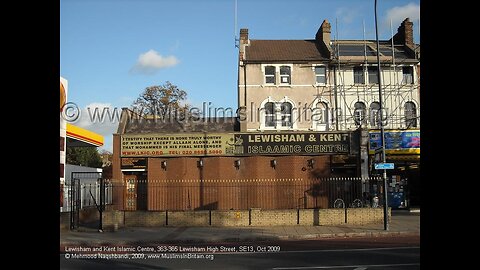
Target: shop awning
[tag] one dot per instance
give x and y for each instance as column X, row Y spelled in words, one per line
column 403, row 157
column 77, row 136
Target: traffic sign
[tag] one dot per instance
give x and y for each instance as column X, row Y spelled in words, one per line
column 384, row 166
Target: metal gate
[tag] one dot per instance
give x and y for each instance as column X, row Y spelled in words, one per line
column 74, row 196
column 81, row 198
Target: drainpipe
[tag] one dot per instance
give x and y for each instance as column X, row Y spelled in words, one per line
column 245, row 83
column 335, row 94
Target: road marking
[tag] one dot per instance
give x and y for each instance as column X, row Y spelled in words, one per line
column 343, row 266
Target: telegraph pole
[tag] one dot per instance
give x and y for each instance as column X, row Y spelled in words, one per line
column 382, row 131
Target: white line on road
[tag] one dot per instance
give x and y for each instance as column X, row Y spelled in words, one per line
column 343, row 266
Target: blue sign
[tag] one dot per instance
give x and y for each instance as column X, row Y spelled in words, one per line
column 396, row 141
column 384, row 166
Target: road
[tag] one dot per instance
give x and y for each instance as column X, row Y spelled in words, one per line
column 338, row 254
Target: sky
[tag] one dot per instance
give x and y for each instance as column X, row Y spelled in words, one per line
column 111, row 50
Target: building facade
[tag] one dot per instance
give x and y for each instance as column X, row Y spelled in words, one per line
column 330, row 85
column 308, row 109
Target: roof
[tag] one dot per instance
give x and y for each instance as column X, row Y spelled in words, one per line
column 77, row 136
column 309, row 50
column 131, row 124
column 284, row 50
column 369, row 47
column 359, row 51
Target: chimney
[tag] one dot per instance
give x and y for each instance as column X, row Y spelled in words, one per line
column 243, row 36
column 323, row 33
column 323, row 38
column 243, row 42
column 404, row 34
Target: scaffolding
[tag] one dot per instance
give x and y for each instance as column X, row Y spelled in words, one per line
column 397, row 65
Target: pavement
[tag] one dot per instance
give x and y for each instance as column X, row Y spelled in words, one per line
column 402, row 222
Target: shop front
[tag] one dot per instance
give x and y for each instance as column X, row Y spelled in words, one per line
column 402, row 149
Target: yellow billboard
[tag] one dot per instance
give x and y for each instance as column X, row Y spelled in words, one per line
column 183, row 144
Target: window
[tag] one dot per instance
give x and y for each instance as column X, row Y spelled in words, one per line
column 407, row 75
column 285, row 73
column 278, row 115
column 372, row 75
column 270, row 118
column 320, row 74
column 270, row 74
column 283, row 70
column 359, row 113
column 410, row 114
column 358, row 77
column 374, row 114
column 286, row 114
column 322, row 109
column 320, row 116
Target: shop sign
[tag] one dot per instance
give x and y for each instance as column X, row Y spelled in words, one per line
column 235, row 144
column 313, row 143
column 396, row 141
column 182, row 144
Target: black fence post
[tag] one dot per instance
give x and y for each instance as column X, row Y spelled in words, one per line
column 78, row 202
column 298, row 216
column 71, row 193
column 102, row 203
column 250, row 216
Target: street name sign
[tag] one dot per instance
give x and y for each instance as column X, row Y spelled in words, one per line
column 384, row 166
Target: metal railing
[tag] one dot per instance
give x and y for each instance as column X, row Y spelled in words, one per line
column 237, row 194
column 89, row 194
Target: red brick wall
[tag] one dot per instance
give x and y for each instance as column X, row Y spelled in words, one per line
column 182, row 185
column 163, row 183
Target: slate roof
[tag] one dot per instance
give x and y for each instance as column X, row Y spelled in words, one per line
column 284, row 50
column 309, row 50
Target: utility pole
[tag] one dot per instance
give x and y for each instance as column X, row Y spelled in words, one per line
column 382, row 131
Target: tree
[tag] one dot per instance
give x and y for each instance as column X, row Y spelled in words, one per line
column 83, row 156
column 106, row 157
column 160, row 100
column 104, row 152
column 107, row 168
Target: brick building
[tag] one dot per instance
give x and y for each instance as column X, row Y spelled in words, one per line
column 322, row 84
column 308, row 109
column 149, row 153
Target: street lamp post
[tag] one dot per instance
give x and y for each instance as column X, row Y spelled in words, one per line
column 382, row 131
